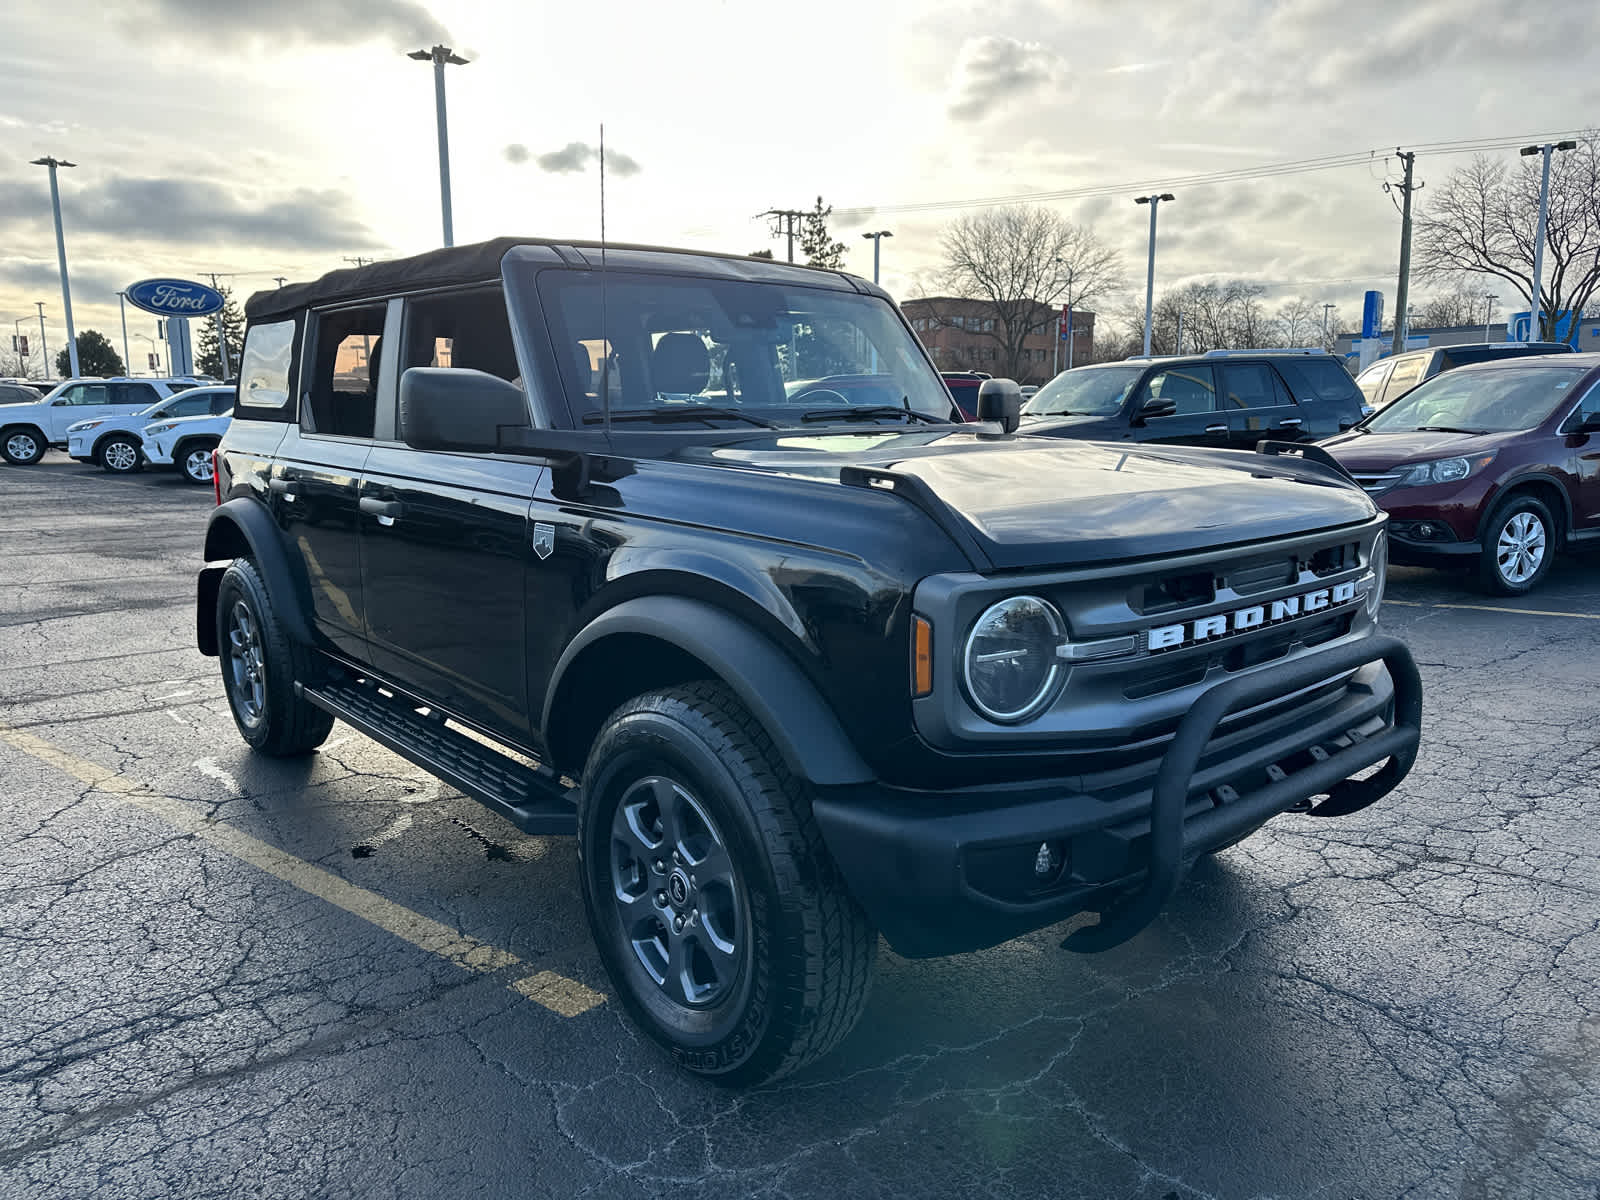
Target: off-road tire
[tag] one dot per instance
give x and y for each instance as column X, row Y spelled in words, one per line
column 105, row 459
column 809, row 950
column 14, row 438
column 282, row 724
column 1491, row 577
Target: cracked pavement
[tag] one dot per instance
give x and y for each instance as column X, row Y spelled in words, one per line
column 1401, row 1003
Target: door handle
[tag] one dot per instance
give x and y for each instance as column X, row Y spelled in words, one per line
column 1216, row 429
column 1291, row 423
column 385, row 510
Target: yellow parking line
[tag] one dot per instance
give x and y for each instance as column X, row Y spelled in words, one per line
column 566, row 997
column 1525, row 612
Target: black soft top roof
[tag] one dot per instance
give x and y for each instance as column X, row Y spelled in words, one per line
column 480, row 262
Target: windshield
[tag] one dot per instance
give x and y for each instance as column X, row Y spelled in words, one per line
column 670, row 349
column 1091, row 391
column 1496, row 400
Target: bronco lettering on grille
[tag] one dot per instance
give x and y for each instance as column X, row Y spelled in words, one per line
column 1241, row 620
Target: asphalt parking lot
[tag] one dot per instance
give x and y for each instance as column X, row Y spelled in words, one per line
column 222, row 976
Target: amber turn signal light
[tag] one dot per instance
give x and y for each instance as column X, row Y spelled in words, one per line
column 921, row 657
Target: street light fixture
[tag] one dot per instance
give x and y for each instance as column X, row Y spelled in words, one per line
column 1536, row 305
column 1154, row 201
column 439, row 56
column 877, row 243
column 61, row 254
column 1488, row 313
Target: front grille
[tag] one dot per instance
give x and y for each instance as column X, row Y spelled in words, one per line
column 1248, row 578
column 1375, row 484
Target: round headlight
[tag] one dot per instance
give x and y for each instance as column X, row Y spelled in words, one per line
column 1010, row 664
column 1378, row 564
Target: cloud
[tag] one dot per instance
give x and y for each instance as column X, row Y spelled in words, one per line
column 576, row 156
column 516, row 152
column 403, row 24
column 191, row 211
column 993, row 72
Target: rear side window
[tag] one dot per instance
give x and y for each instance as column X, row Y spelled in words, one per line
column 344, row 382
column 1252, row 385
column 187, row 406
column 221, row 402
column 1371, row 380
column 1406, row 375
column 16, row 395
column 264, row 371
column 1318, row 379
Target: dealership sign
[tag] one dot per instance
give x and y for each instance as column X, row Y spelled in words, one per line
column 175, row 297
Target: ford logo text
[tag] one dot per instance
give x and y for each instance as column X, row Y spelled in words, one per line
column 174, row 297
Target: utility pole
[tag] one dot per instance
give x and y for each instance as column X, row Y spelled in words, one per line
column 127, row 359
column 61, row 254
column 1488, row 313
column 1154, row 201
column 788, row 216
column 439, row 56
column 1409, row 158
column 279, row 279
column 44, row 351
column 877, row 242
column 1536, row 308
column 1325, row 309
column 1178, row 349
column 222, row 334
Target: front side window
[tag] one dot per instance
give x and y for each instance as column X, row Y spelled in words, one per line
column 1087, row 391
column 1192, row 388
column 85, row 394
column 344, row 379
column 265, row 364
column 461, row 329
column 658, row 347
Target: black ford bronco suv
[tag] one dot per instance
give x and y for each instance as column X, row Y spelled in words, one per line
column 683, row 554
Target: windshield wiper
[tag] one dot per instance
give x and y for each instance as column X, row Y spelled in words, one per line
column 700, row 412
column 1446, row 429
column 869, row 412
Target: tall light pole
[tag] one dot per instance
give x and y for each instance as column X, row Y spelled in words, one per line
column 1154, row 201
column 1325, row 310
column 1536, row 308
column 61, row 254
column 127, row 359
column 1488, row 313
column 439, row 56
column 44, row 351
column 877, row 243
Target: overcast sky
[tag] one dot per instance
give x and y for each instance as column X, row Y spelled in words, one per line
column 261, row 139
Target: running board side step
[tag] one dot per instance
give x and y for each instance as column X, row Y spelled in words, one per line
column 531, row 798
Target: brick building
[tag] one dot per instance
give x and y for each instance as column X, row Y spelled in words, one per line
column 966, row 335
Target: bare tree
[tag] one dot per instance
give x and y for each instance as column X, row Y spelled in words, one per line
column 1483, row 220
column 1227, row 315
column 1460, row 304
column 1023, row 262
column 1299, row 322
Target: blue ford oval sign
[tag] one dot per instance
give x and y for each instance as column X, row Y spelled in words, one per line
column 174, row 297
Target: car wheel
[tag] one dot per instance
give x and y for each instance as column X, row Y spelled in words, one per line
column 1519, row 542
column 260, row 665
column 22, row 446
column 194, row 462
column 719, row 916
column 120, row 456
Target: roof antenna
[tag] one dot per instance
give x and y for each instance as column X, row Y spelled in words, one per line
column 605, row 328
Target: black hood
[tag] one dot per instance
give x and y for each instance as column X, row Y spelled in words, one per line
column 1033, row 502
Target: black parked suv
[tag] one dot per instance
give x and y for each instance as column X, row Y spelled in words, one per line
column 1223, row 398
column 552, row 523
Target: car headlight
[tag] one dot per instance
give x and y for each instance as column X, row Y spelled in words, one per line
column 1378, row 565
column 1444, row 470
column 152, row 430
column 81, row 426
column 1011, row 664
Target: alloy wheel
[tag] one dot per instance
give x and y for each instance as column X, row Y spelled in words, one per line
column 246, row 668
column 197, row 465
column 119, row 456
column 678, row 900
column 21, row 447
column 1521, row 547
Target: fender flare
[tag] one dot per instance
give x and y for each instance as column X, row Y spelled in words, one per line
column 767, row 681
column 1564, row 512
column 291, row 595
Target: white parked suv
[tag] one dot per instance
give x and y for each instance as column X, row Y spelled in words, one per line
column 28, row 430
column 187, row 442
column 114, row 442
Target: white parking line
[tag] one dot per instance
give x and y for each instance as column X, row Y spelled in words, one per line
column 1524, row 612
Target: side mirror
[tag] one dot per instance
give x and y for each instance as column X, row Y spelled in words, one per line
column 1000, row 400
column 455, row 408
column 1590, row 424
column 1157, row 408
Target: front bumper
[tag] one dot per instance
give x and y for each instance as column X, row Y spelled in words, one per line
column 942, row 872
column 157, row 454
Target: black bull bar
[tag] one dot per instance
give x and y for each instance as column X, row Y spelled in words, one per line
column 1328, row 774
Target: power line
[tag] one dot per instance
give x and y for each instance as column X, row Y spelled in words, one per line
column 1301, row 166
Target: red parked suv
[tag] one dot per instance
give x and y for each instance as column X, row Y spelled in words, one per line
column 1495, row 465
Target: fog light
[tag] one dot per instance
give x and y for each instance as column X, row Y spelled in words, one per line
column 1424, row 531
column 1047, row 860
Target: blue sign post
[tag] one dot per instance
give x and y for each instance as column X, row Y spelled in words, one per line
column 1372, row 315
